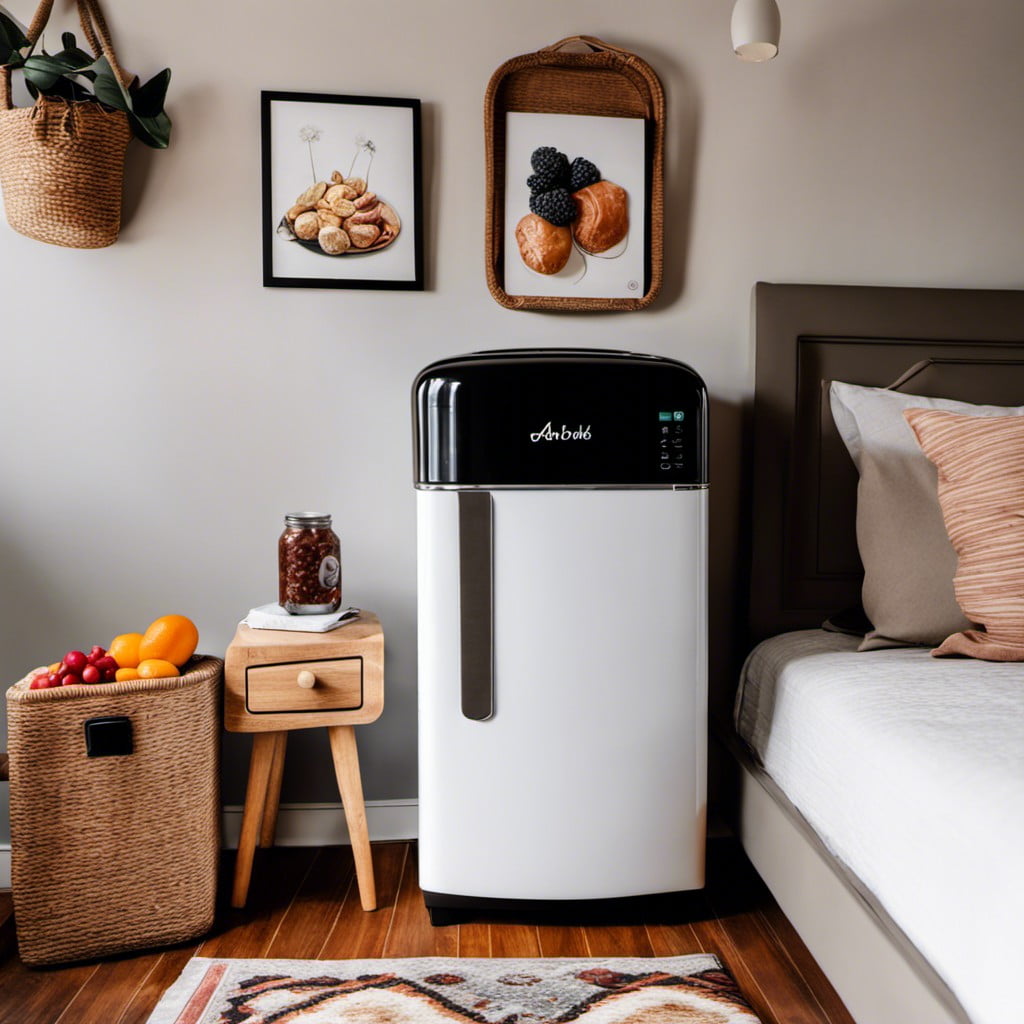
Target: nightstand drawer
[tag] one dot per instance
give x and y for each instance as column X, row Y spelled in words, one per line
column 338, row 686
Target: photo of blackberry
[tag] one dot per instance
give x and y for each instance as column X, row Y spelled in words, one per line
column 556, row 206
column 582, row 173
column 543, row 183
column 551, row 169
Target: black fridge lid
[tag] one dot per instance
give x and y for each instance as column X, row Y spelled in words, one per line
column 543, row 355
column 559, row 417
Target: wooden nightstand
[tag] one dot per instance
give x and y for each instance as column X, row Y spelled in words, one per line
column 276, row 681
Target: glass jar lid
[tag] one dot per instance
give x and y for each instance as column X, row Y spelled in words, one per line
column 308, row 520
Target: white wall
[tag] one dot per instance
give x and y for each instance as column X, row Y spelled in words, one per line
column 160, row 410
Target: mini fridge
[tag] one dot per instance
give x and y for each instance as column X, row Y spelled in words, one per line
column 562, row 606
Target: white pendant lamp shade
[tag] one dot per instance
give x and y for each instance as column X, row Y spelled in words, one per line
column 756, row 25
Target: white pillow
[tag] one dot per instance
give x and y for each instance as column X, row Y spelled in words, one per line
column 909, row 562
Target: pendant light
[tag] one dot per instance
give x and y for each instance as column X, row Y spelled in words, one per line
column 756, row 25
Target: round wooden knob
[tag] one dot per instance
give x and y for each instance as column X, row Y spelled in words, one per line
column 306, row 679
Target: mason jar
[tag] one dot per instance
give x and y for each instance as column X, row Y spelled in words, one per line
column 309, row 565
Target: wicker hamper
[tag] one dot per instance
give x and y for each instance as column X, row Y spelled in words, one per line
column 115, row 813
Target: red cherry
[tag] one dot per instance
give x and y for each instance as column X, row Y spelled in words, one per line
column 91, row 674
column 39, row 683
column 71, row 679
column 110, row 675
column 53, row 679
column 97, row 652
column 75, row 661
column 63, row 670
column 106, row 663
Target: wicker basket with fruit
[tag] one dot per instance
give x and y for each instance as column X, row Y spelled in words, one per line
column 115, row 797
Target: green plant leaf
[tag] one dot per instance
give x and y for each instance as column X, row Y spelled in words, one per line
column 107, row 88
column 42, row 71
column 12, row 39
column 148, row 100
column 74, row 58
column 153, row 131
column 69, row 89
column 57, row 63
column 108, row 92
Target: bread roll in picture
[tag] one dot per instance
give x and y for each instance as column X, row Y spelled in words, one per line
column 543, row 247
column 602, row 216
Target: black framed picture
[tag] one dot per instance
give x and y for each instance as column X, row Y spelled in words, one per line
column 342, row 191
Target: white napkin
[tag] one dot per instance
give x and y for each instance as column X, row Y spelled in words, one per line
column 273, row 616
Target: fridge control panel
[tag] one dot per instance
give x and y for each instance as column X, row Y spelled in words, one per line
column 670, row 452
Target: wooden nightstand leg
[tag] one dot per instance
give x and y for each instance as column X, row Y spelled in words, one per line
column 263, row 745
column 346, row 768
column 273, row 791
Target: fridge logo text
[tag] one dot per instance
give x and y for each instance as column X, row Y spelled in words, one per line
column 567, row 433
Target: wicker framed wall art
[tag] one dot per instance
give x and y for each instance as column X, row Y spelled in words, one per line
column 575, row 195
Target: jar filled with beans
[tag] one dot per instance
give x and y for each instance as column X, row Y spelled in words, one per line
column 309, row 565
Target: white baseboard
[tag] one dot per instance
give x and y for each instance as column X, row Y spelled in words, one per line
column 302, row 825
column 324, row 824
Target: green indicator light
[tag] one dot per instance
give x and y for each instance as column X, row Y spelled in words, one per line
column 678, row 416
column 664, row 417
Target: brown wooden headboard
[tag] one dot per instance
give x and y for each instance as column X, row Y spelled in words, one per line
column 944, row 343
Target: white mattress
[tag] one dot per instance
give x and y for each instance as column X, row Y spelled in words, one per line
column 911, row 770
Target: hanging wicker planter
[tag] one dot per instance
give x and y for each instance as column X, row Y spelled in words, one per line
column 62, row 161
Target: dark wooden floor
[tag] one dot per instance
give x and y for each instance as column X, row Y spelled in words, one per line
column 303, row 904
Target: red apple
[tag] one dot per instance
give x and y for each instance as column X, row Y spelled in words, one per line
column 63, row 670
column 54, row 679
column 91, row 674
column 75, row 661
column 71, row 679
column 95, row 654
column 106, row 663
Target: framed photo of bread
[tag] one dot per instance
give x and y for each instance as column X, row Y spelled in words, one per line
column 342, row 191
column 575, row 197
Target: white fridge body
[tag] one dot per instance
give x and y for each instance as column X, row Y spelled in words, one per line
column 589, row 779
column 562, row 672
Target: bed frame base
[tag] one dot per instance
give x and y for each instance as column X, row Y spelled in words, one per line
column 878, row 973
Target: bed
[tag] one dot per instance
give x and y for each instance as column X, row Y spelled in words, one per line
column 880, row 794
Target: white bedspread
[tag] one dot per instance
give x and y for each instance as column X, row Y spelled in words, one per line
column 911, row 769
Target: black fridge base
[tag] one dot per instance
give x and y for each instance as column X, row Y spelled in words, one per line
column 657, row 908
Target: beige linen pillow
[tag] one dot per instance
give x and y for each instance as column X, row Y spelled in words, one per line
column 980, row 463
column 908, row 560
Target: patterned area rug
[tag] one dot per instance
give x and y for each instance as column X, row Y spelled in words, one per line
column 662, row 990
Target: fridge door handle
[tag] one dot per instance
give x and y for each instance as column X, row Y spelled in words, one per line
column 476, row 603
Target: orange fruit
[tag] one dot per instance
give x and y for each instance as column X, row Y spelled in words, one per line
column 124, row 649
column 170, row 638
column 126, row 673
column 156, row 668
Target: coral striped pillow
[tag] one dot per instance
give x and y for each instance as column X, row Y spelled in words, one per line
column 980, row 461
